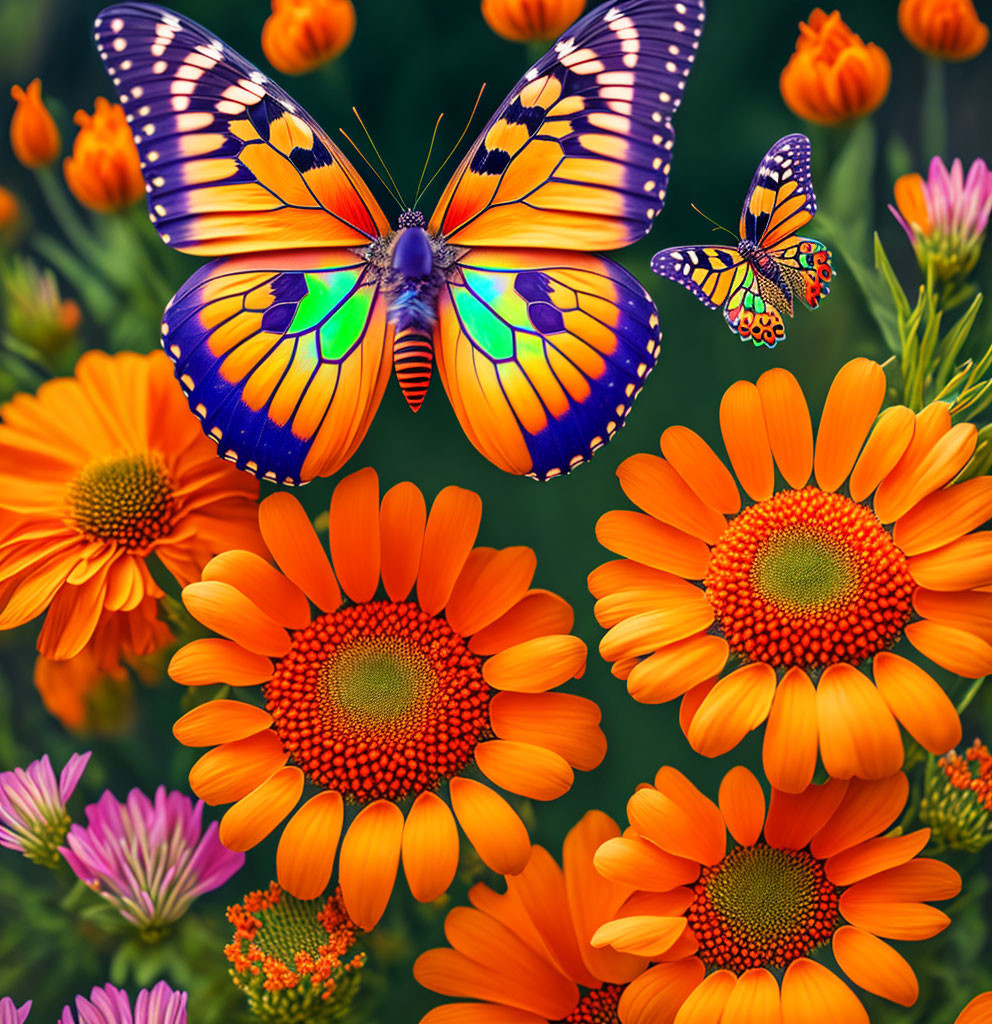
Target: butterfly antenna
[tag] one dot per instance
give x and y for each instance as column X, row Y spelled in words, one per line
column 396, row 199
column 719, row 226
column 354, row 110
column 478, row 99
column 430, row 149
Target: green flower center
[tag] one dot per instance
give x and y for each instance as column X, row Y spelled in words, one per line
column 803, row 571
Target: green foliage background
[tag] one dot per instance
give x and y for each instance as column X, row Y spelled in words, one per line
column 410, row 60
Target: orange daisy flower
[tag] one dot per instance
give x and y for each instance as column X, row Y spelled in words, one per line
column 98, row 472
column 816, row 871
column 382, row 699
column 525, row 955
column 803, row 588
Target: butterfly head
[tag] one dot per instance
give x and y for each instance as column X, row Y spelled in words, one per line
column 411, row 219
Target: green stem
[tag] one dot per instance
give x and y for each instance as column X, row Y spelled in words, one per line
column 933, row 124
column 970, row 695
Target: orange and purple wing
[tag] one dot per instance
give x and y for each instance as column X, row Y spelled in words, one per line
column 283, row 357
column 542, row 354
column 578, row 155
column 780, row 200
column 232, row 164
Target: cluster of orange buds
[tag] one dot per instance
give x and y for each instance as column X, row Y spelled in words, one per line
column 957, row 799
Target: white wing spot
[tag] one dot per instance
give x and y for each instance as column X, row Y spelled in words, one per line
column 531, row 74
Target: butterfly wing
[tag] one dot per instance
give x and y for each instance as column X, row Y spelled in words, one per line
column 805, row 265
column 232, row 164
column 543, row 361
column 780, row 200
column 283, row 357
column 578, row 155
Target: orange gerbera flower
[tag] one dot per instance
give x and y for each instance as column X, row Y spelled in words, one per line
column 806, row 582
column 526, row 956
column 834, row 75
column 817, row 870
column 949, row 29
column 383, row 699
column 97, row 472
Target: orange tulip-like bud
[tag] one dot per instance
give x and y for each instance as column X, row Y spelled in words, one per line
column 34, row 136
column 949, row 29
column 10, row 214
column 300, row 35
column 525, row 20
column 834, row 75
column 104, row 172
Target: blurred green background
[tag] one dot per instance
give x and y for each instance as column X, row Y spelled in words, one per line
column 410, row 60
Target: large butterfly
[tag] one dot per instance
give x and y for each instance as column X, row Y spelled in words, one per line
column 284, row 343
column 757, row 280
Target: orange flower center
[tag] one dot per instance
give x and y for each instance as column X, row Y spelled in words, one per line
column 808, row 578
column 379, row 700
column 126, row 498
column 597, row 1006
column 762, row 907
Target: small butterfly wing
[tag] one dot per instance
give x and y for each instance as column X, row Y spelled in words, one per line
column 754, row 307
column 578, row 155
column 542, row 354
column 780, row 200
column 710, row 272
column 805, row 265
column 232, row 164
column 283, row 357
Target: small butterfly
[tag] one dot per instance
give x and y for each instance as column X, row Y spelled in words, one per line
column 284, row 343
column 757, row 280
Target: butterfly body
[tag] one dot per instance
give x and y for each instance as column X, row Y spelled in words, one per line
column 285, row 342
column 757, row 281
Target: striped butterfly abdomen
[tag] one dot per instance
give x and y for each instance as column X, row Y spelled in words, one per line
column 413, row 361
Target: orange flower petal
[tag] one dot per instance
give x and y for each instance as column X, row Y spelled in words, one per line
column 370, row 856
column 920, row 880
column 701, row 468
column 525, row 768
column 954, row 649
column 225, row 610
column 915, row 698
column 562, row 722
column 638, row 536
column 638, row 863
column 737, row 704
column 492, row 826
column 219, row 721
column 641, row 634
column 931, row 424
column 812, row 994
column 705, row 1005
column 790, row 745
column 263, row 585
column 655, row 996
column 742, row 804
column 211, row 660
column 968, row 610
column 234, row 769
column 897, row 495
column 254, row 816
column 891, row 436
column 907, row 922
column 488, row 587
column 676, row 817
column 536, row 665
column 677, row 668
column 655, row 487
column 852, row 404
column 402, row 517
column 867, row 809
column 875, row 966
column 452, row 527
column 642, row 935
column 945, row 516
column 290, row 536
column 755, row 999
column 787, row 420
column 479, row 1013
column 665, row 595
column 353, row 531
column 978, row 1011
column 691, row 700
column 745, row 437
column 538, row 613
column 858, row 735
column 430, row 847
column 624, row 574
column 961, row 565
column 874, row 855
column 794, row 818
column 308, row 844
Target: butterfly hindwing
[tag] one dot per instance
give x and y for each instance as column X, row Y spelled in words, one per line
column 232, row 164
column 754, row 307
column 805, row 264
column 542, row 354
column 578, row 155
column 283, row 356
column 780, row 199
